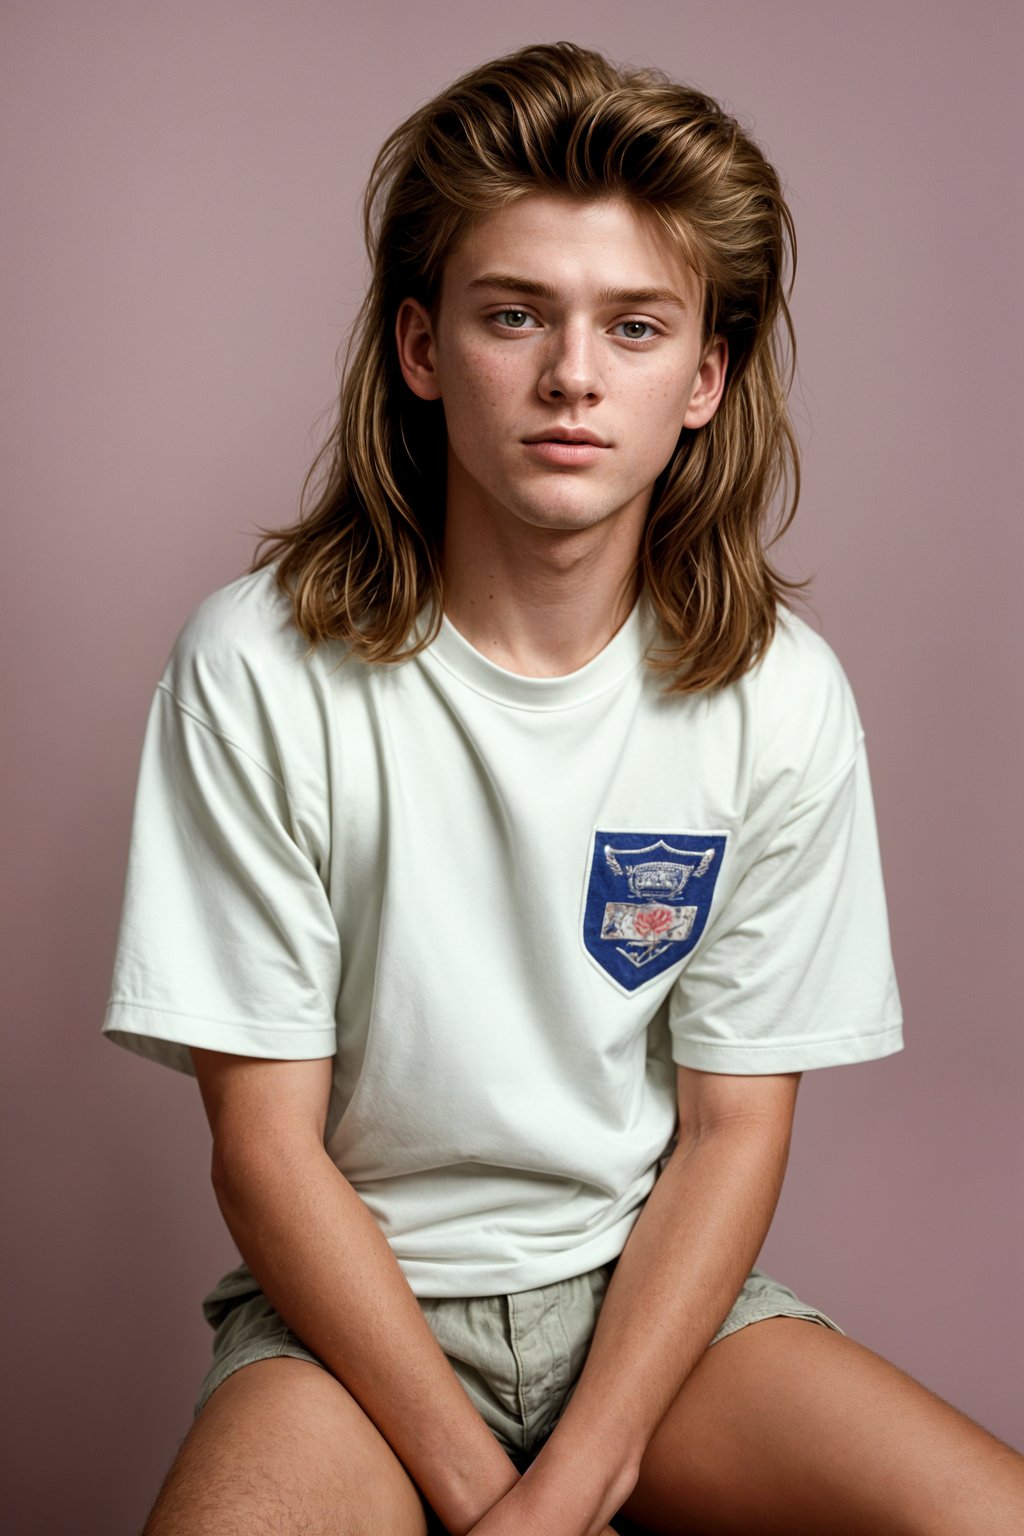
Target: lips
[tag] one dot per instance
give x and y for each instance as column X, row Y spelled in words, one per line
column 567, row 435
column 566, row 448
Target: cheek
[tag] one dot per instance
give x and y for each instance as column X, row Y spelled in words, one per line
column 478, row 384
column 659, row 418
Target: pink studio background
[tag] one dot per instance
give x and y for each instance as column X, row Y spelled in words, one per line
column 180, row 188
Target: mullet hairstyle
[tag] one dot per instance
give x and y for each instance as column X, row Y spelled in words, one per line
column 363, row 562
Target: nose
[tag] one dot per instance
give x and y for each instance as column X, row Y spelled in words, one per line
column 571, row 368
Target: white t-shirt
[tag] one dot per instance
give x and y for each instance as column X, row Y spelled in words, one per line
column 505, row 906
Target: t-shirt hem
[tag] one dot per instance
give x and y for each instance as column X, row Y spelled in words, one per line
column 792, row 1056
column 431, row 1281
column 165, row 1037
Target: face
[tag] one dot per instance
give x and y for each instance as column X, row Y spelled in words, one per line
column 567, row 352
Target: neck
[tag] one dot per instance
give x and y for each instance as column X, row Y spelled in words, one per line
column 536, row 601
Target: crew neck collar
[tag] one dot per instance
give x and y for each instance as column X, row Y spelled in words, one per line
column 623, row 654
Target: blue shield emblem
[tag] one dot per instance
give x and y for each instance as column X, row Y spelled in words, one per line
column 648, row 899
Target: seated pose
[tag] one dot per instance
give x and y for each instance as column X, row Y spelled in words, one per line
column 503, row 853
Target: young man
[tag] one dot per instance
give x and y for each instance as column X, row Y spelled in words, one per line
column 503, row 854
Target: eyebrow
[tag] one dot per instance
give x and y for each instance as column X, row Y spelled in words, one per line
column 630, row 297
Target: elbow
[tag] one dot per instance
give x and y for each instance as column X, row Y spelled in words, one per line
column 224, row 1176
column 233, row 1167
column 240, row 1164
column 218, row 1168
column 763, row 1136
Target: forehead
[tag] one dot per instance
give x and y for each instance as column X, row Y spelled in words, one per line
column 577, row 248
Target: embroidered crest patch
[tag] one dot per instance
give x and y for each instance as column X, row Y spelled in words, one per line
column 648, row 899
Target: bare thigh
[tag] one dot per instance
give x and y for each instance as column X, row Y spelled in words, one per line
column 281, row 1449
column 785, row 1428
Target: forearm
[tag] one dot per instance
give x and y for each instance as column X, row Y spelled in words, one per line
column 329, row 1271
column 682, row 1267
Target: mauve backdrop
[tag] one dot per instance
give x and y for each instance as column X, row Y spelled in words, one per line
column 181, row 255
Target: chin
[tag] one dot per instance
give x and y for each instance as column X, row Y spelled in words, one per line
column 564, row 517
column 563, row 522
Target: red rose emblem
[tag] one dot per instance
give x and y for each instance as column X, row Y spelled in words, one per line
column 652, row 922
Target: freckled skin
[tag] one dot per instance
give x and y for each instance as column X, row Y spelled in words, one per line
column 508, row 364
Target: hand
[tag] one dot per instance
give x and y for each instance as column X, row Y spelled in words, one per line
column 517, row 1515
column 510, row 1524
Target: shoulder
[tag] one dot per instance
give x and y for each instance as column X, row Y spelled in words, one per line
column 239, row 663
column 800, row 669
column 809, row 725
column 245, row 625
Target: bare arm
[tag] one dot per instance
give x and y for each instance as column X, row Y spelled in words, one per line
column 327, row 1268
column 680, row 1271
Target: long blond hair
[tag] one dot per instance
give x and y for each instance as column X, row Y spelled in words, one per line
column 362, row 563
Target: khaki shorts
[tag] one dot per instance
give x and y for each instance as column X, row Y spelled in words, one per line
column 518, row 1357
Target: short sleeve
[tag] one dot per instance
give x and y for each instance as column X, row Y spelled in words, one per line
column 797, row 970
column 227, row 939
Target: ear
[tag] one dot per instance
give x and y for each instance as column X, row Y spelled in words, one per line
column 709, row 384
column 414, row 337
